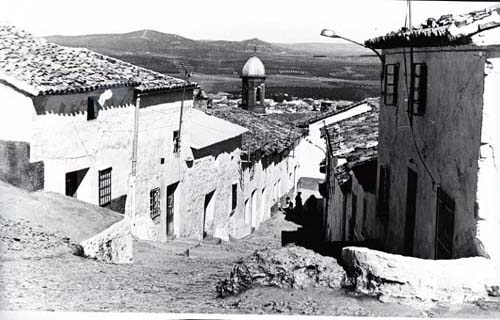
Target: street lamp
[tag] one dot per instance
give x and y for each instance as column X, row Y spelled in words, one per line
column 332, row 34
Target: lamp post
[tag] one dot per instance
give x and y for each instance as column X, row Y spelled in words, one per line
column 332, row 34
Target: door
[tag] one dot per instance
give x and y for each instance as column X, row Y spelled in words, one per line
column 208, row 214
column 352, row 221
column 445, row 225
column 170, row 209
column 264, row 212
column 253, row 209
column 73, row 181
column 411, row 207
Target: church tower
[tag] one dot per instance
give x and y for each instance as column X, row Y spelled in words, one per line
column 253, row 85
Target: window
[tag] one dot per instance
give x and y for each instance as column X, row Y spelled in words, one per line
column 258, row 95
column 176, row 140
column 418, row 89
column 104, row 187
column 154, row 203
column 383, row 191
column 92, row 108
column 391, row 84
column 445, row 224
column 234, row 201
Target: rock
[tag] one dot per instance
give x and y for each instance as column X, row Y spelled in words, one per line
column 288, row 267
column 78, row 250
column 113, row 245
column 494, row 291
column 411, row 280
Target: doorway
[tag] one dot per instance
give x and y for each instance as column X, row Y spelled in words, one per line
column 170, row 209
column 253, row 209
column 411, row 207
column 208, row 213
column 73, row 181
column 445, row 225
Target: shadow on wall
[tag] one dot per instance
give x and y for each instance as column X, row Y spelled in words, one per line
column 310, row 217
column 15, row 166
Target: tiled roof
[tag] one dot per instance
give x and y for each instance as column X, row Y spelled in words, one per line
column 447, row 30
column 266, row 134
column 39, row 67
column 355, row 139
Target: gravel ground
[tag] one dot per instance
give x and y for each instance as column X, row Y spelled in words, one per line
column 38, row 272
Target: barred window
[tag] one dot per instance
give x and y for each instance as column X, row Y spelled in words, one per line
column 391, row 84
column 175, row 139
column 418, row 91
column 104, row 187
column 154, row 203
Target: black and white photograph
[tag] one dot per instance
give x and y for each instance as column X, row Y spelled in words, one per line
column 218, row 159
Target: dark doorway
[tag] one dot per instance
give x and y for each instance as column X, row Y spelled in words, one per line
column 411, row 206
column 208, row 212
column 352, row 222
column 170, row 209
column 445, row 224
column 73, row 181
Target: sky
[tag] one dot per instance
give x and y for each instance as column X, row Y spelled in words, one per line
column 270, row 20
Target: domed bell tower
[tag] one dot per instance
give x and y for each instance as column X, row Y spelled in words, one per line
column 253, row 88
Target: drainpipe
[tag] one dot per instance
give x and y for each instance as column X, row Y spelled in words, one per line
column 133, row 173
column 136, row 135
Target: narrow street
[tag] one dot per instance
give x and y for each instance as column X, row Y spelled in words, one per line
column 164, row 279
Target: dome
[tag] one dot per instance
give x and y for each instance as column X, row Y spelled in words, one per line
column 253, row 68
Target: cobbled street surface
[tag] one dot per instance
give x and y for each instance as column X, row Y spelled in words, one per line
column 38, row 272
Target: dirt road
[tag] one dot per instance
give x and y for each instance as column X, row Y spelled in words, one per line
column 164, row 279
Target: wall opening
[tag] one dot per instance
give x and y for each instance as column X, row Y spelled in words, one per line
column 411, row 206
column 208, row 214
column 74, row 180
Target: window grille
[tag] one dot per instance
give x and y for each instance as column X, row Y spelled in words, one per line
column 104, row 187
column 176, row 141
column 154, row 203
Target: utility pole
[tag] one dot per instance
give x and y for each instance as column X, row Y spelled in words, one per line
column 187, row 78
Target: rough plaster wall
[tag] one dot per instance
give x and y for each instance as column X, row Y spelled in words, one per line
column 16, row 115
column 370, row 225
column 16, row 168
column 155, row 141
column 210, row 174
column 448, row 136
column 488, row 190
column 67, row 142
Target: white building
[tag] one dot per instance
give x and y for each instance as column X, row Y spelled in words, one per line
column 107, row 132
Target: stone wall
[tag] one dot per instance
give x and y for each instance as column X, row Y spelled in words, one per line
column 448, row 138
column 113, row 245
column 16, row 168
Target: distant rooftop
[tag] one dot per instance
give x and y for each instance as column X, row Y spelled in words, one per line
column 355, row 139
column 266, row 135
column 39, row 67
column 447, row 30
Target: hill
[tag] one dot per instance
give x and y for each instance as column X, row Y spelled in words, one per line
column 160, row 51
